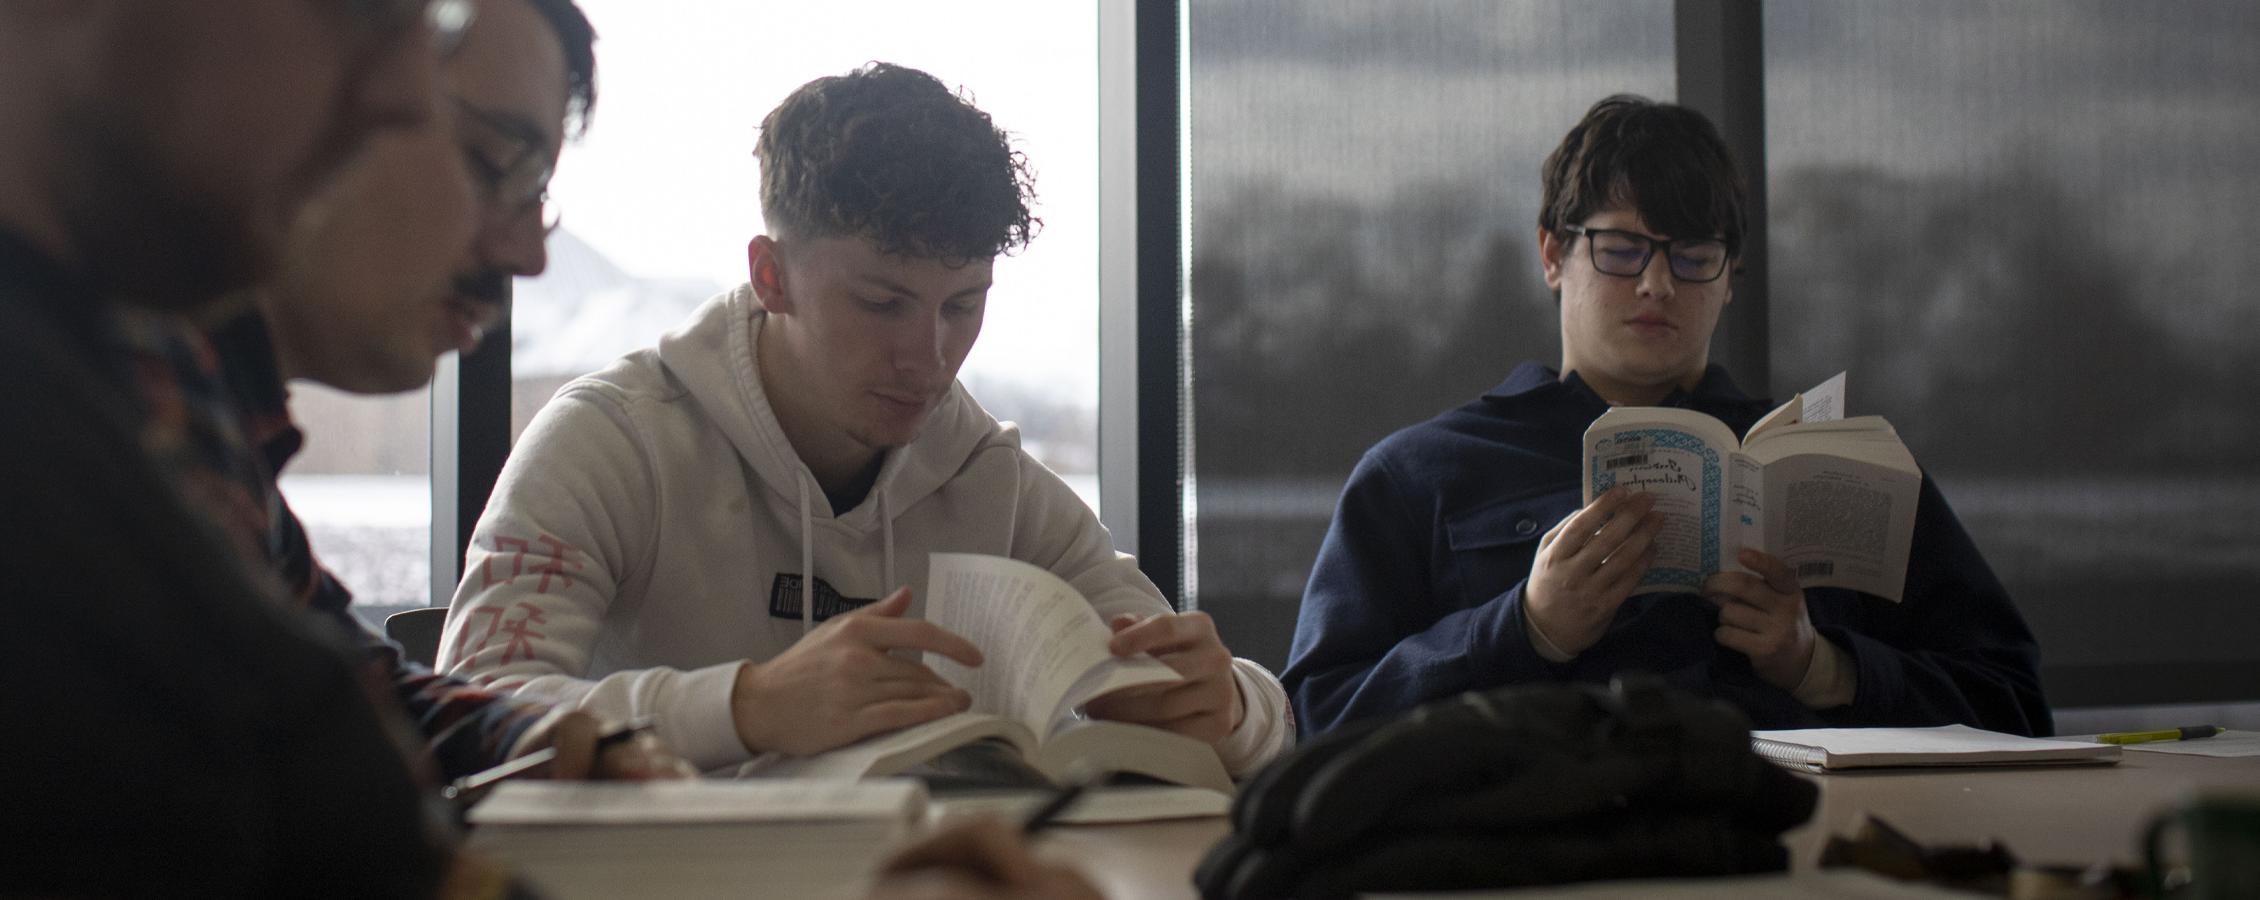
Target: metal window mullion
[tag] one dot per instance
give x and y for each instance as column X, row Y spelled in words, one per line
column 1161, row 379
column 470, row 425
column 1719, row 54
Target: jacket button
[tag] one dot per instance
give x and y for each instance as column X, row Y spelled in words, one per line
column 1525, row 526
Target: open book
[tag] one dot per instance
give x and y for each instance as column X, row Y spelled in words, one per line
column 1045, row 655
column 1831, row 749
column 1833, row 497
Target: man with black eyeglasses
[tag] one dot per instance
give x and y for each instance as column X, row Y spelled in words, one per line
column 1459, row 557
column 410, row 256
column 175, row 729
column 407, row 257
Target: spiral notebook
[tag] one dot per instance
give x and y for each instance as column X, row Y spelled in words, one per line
column 1833, row 749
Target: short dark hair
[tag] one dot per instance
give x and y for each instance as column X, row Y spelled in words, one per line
column 579, row 40
column 889, row 154
column 1664, row 160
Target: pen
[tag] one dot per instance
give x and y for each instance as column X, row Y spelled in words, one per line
column 470, row 788
column 1048, row 814
column 2171, row 734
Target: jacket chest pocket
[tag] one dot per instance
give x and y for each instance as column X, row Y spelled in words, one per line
column 1491, row 547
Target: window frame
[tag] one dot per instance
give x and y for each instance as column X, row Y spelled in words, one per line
column 1146, row 448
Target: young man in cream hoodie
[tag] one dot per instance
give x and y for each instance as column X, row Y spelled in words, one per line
column 724, row 533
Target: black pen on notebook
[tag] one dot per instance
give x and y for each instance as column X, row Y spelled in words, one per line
column 1047, row 815
column 470, row 788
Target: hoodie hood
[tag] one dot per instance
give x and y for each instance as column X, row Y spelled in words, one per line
column 715, row 357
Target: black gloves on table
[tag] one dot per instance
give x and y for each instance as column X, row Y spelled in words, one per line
column 1525, row 785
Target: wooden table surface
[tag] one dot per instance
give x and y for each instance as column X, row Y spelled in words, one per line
column 2043, row 815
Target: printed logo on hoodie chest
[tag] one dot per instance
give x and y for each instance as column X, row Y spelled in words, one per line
column 784, row 599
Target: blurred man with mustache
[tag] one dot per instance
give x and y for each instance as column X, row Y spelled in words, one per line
column 671, row 531
column 408, row 257
column 180, row 730
column 411, row 256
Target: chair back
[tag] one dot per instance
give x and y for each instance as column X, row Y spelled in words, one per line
column 417, row 632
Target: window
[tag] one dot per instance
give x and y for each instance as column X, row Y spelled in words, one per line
column 660, row 198
column 1364, row 219
column 2017, row 226
column 362, row 487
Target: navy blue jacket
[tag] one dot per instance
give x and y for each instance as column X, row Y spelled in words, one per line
column 1417, row 592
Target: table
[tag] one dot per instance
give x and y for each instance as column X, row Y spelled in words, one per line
column 2043, row 815
column 2077, row 814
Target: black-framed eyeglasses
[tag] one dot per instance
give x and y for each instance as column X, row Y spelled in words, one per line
column 1625, row 254
column 511, row 162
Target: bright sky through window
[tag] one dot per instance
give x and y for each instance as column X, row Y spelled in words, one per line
column 664, row 184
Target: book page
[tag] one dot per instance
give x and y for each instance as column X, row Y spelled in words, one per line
column 1044, row 647
column 1682, row 458
column 1745, row 511
column 1842, row 520
column 1113, row 747
column 894, row 751
column 1789, row 412
column 1823, row 402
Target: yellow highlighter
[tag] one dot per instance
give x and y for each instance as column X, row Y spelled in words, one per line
column 2171, row 734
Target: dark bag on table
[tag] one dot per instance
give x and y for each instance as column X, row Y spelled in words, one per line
column 1526, row 785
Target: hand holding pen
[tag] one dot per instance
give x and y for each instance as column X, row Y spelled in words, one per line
column 577, row 752
column 1055, row 806
column 585, row 752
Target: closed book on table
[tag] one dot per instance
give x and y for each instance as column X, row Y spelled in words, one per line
column 696, row 839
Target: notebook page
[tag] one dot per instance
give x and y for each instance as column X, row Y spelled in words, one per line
column 1942, row 745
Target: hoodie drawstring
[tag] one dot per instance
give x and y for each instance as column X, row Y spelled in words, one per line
column 808, row 552
column 887, row 541
column 807, row 560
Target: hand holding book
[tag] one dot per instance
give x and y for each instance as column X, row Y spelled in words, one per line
column 582, row 749
column 1588, row 565
column 1205, row 706
column 1762, row 616
column 1046, row 655
column 841, row 683
column 1834, row 497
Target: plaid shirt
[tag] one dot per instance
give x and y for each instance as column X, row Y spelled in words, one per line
column 191, row 742
column 212, row 398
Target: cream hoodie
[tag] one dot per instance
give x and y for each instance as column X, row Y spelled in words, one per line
column 649, row 532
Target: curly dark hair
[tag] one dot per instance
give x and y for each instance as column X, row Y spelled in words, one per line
column 578, row 38
column 1664, row 160
column 889, row 154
